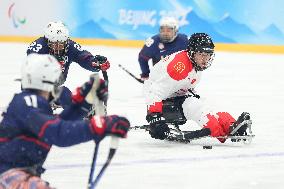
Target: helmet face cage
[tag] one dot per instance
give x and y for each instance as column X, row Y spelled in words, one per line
column 202, row 43
column 58, row 49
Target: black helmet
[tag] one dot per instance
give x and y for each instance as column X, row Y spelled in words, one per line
column 200, row 42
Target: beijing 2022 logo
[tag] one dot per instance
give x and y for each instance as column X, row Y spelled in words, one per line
column 16, row 20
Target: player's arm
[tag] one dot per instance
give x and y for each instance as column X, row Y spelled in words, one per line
column 144, row 65
column 86, row 60
column 144, row 56
column 54, row 130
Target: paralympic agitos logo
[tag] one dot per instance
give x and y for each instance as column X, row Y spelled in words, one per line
column 16, row 20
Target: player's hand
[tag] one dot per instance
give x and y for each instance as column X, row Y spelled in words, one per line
column 102, row 91
column 79, row 95
column 101, row 62
column 144, row 76
column 110, row 125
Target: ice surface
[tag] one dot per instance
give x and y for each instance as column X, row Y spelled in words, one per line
column 235, row 82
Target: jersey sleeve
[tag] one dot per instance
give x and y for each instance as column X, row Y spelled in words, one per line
column 145, row 55
column 83, row 57
column 55, row 131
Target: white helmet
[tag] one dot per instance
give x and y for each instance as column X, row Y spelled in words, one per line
column 56, row 32
column 41, row 72
column 57, row 36
column 169, row 22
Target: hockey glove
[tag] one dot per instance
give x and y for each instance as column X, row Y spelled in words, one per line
column 159, row 130
column 81, row 92
column 158, row 127
column 110, row 125
column 102, row 91
column 101, row 62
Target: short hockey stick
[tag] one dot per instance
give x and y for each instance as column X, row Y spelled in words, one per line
column 132, row 75
column 112, row 150
column 92, row 171
column 113, row 147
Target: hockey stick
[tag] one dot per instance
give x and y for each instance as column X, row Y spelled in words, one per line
column 112, row 150
column 143, row 127
column 113, row 147
column 132, row 75
column 92, row 171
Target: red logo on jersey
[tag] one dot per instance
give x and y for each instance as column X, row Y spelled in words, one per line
column 193, row 81
column 179, row 67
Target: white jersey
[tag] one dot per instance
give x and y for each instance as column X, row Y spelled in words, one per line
column 170, row 77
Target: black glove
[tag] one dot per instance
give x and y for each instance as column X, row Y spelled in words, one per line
column 102, row 91
column 101, row 62
column 110, row 125
column 158, row 127
column 159, row 130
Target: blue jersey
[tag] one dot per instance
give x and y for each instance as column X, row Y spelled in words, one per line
column 74, row 54
column 29, row 129
column 156, row 50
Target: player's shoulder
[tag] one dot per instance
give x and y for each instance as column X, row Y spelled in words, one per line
column 20, row 103
column 39, row 46
column 182, row 37
column 74, row 46
column 71, row 42
column 179, row 65
column 31, row 99
column 152, row 40
column 40, row 40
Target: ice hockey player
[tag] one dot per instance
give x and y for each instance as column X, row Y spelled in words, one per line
column 29, row 128
column 176, row 76
column 167, row 42
column 56, row 41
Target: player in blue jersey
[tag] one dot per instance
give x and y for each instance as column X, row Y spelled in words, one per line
column 167, row 42
column 29, row 129
column 56, row 41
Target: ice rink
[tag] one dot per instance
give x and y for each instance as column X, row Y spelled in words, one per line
column 235, row 82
